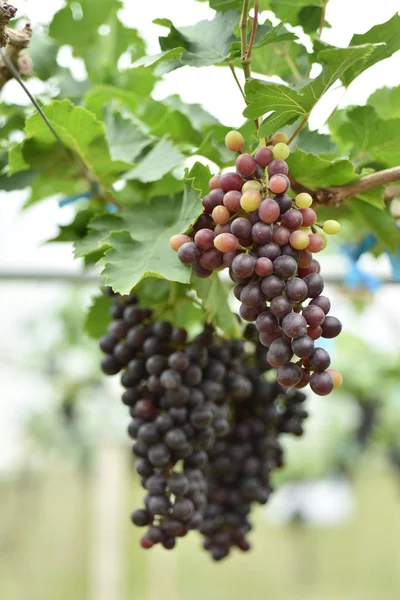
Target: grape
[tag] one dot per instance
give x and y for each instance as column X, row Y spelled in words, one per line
column 315, row 284
column 323, row 302
column 285, row 267
column 303, row 346
column 292, row 219
column 213, row 199
column 289, row 374
column 279, row 184
column 263, row 157
column 284, row 201
column 277, row 167
column 303, row 200
column 299, row 240
column 331, row 227
column 107, row 343
column 141, row 517
column 183, row 509
column 119, row 328
column 272, row 286
column 241, row 228
column 177, row 241
column 266, row 322
column 314, row 332
column 305, row 258
column 261, row 233
column 226, row 242
column 214, row 182
column 321, row 383
column 264, row 267
column 204, row 239
column 316, row 243
column 280, row 235
column 294, row 325
column 269, row 211
column 228, row 258
column 337, row 378
column 252, row 184
column 250, row 200
column 232, row 201
column 221, row 215
column 157, row 505
column 249, row 313
column 225, row 228
column 234, row 141
column 309, row 216
column 280, row 137
column 271, row 251
column 203, row 222
column 169, row 543
column 288, row 250
column 246, row 165
column 296, row 290
column 281, row 151
column 243, row 265
column 175, row 439
column 178, row 361
column 280, row 307
column 170, row 379
column 110, row 365
column 201, row 271
column 279, row 353
column 320, row 359
column 251, row 295
column 266, row 339
column 331, row 327
column 159, row 455
column 230, row 182
column 314, row 315
column 188, row 253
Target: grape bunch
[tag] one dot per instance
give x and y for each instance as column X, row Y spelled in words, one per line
column 240, row 464
column 267, row 239
column 205, row 425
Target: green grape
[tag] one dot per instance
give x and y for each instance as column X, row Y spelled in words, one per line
column 331, row 227
column 299, row 240
column 280, row 137
column 281, row 151
column 251, row 200
column 303, row 200
column 251, row 185
column 234, row 141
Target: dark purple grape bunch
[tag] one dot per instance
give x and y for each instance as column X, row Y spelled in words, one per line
column 267, row 239
column 241, row 463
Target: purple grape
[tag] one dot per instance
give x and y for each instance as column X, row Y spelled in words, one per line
column 280, row 307
column 272, row 286
column 321, row 383
column 280, row 235
column 294, row 325
column 266, row 322
column 288, row 250
column 230, row 182
column 250, row 314
column 289, row 374
column 314, row 315
column 315, row 284
column 284, row 201
column 279, row 353
column 204, row 222
column 270, row 250
column 189, row 253
column 263, row 157
column 251, row 295
column 241, row 228
column 331, row 327
column 246, row 165
column 261, row 233
column 201, row 271
column 237, row 290
column 277, row 167
column 323, row 302
column 292, row 219
column 320, row 360
column 211, row 259
column 296, row 290
column 285, row 267
column 303, row 346
column 243, row 265
column 204, row 239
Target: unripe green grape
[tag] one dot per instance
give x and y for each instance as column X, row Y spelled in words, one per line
column 176, row 241
column 280, row 137
column 324, row 237
column 331, row 227
column 251, row 200
column 281, row 151
column 303, row 200
column 299, row 240
column 234, row 141
column 251, row 185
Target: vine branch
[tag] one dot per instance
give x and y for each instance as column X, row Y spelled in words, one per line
column 13, row 41
column 337, row 194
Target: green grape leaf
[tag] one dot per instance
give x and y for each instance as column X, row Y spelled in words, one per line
column 164, row 120
column 266, row 34
column 306, row 13
column 315, row 172
column 384, row 34
column 99, row 230
column 386, row 102
column 204, row 44
column 125, row 135
column 161, row 159
column 97, row 98
column 200, row 176
column 214, row 297
column 370, row 136
column 288, row 60
column 143, row 250
column 16, row 160
column 195, row 113
column 98, row 316
column 77, row 229
column 315, row 142
column 380, row 222
column 375, row 197
column 225, row 5
column 288, row 104
column 43, row 53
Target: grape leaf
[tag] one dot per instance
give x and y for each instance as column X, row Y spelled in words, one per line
column 99, row 230
column 288, row 60
column 98, row 316
column 266, row 34
column 164, row 120
column 214, row 297
column 313, row 141
column 224, row 5
column 368, row 135
column 288, row 104
column 195, row 113
column 77, row 229
column 386, row 102
column 384, row 34
column 98, row 97
column 43, row 53
column 306, row 13
column 125, row 136
column 315, row 172
column 204, row 44
column 161, row 159
column 143, row 250
column 380, row 222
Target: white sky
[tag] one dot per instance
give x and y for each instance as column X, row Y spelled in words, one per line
column 22, row 235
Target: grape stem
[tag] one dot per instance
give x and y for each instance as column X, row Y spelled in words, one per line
column 337, row 194
column 232, row 68
column 254, row 29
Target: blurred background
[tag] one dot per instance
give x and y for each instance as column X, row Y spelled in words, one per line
column 67, row 482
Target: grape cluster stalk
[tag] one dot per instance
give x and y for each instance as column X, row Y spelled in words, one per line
column 267, row 240
column 205, row 425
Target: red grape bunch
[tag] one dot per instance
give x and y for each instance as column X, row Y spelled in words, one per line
column 267, row 239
